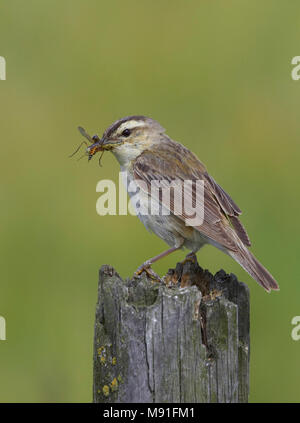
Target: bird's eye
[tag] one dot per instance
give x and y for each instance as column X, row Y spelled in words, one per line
column 126, row 132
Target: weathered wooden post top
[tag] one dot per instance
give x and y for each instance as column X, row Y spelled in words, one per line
column 185, row 339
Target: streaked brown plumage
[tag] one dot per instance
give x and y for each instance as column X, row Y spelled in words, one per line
column 146, row 153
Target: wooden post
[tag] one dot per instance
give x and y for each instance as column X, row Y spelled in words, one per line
column 183, row 340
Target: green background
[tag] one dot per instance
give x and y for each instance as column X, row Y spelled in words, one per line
column 217, row 75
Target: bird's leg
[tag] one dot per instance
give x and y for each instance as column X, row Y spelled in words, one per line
column 147, row 265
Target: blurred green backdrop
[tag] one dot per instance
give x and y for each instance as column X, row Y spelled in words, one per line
column 217, row 75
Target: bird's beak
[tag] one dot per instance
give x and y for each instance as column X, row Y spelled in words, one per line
column 102, row 144
column 109, row 143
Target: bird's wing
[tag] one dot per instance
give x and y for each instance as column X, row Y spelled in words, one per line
column 171, row 161
column 229, row 208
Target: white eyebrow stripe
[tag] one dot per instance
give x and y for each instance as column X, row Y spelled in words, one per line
column 130, row 124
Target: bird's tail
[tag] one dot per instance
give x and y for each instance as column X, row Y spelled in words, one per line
column 255, row 269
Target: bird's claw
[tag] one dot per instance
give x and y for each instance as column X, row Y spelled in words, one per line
column 146, row 267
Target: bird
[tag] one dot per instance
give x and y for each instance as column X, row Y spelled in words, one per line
column 146, row 154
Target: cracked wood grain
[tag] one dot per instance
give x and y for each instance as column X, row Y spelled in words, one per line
column 182, row 340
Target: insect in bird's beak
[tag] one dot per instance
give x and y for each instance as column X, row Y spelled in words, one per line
column 91, row 150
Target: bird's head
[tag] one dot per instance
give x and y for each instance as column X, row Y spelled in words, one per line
column 128, row 137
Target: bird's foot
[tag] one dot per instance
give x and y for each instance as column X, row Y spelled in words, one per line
column 146, row 267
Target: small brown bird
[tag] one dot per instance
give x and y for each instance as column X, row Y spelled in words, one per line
column 147, row 154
